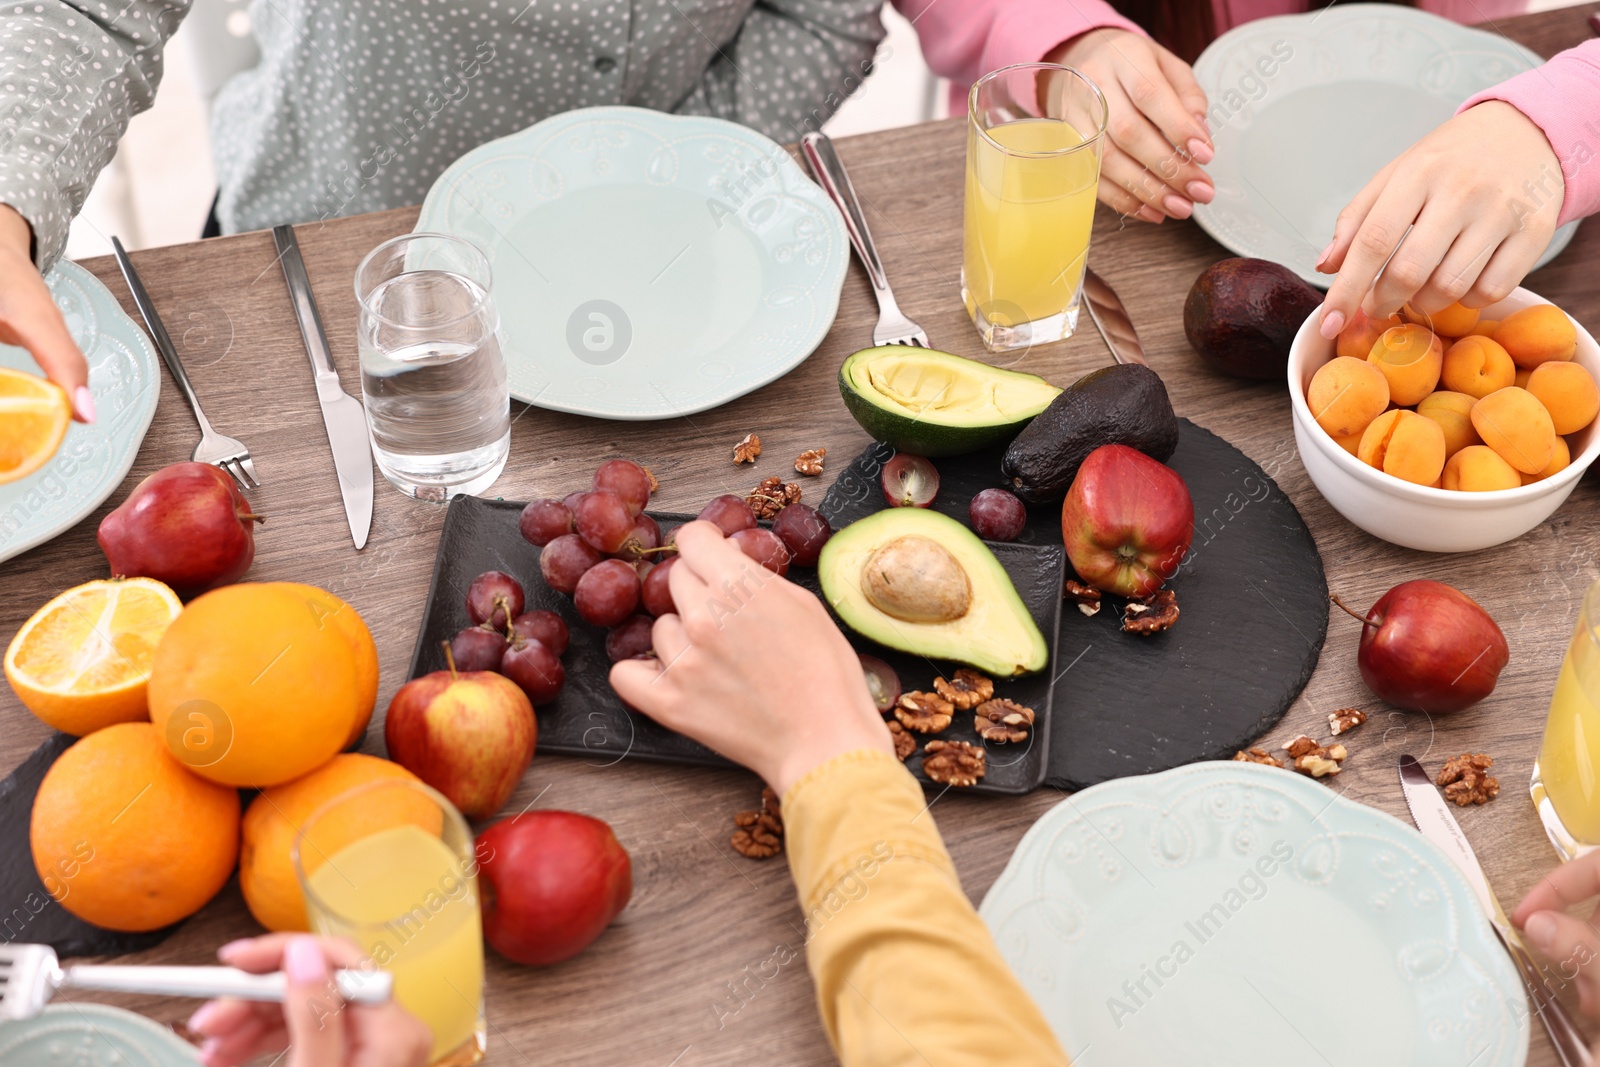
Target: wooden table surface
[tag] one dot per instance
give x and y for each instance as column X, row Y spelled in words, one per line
column 658, row 988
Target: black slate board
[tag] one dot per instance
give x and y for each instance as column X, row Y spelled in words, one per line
column 1254, row 613
column 27, row 914
column 588, row 719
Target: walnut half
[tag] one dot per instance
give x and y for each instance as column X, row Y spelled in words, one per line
column 1003, row 720
column 772, row 496
column 955, row 763
column 1152, row 615
column 966, row 689
column 904, row 743
column 809, row 462
column 748, row 450
column 1466, row 779
column 1257, row 755
column 1087, row 597
column 926, row 713
column 759, row 834
column 1345, row 720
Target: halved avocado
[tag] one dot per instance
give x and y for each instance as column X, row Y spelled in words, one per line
column 923, row 583
column 932, row 403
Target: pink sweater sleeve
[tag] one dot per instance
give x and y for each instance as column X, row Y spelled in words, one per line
column 1563, row 99
column 965, row 39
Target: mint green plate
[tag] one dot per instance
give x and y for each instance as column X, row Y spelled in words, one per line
column 1228, row 913
column 125, row 379
column 91, row 1035
column 646, row 265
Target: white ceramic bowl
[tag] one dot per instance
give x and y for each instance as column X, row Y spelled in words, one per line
column 1419, row 516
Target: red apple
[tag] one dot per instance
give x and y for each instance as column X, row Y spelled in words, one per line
column 186, row 525
column 552, row 881
column 1426, row 646
column 469, row 734
column 1127, row 521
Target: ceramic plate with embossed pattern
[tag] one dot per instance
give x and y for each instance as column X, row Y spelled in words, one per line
column 1228, row 913
column 646, row 265
column 91, row 1035
column 1305, row 109
column 92, row 460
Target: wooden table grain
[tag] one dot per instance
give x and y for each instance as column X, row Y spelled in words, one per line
column 681, row 978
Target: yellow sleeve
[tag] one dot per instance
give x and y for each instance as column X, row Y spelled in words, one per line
column 905, row 971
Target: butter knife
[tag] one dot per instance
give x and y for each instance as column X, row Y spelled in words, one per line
column 342, row 414
column 1111, row 319
column 1432, row 816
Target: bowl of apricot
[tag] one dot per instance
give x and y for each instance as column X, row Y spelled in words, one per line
column 1448, row 432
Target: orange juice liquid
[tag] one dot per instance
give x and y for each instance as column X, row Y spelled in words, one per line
column 417, row 917
column 1569, row 759
column 1028, row 218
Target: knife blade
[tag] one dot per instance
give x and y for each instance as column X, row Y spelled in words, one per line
column 342, row 414
column 1432, row 816
column 1111, row 319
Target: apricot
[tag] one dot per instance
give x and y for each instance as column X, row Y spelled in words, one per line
column 1558, row 462
column 1357, row 338
column 1453, row 413
column 1485, row 328
column 1568, row 393
column 1477, row 366
column 1346, row 394
column 1411, row 358
column 1453, row 321
column 1523, row 374
column 1537, row 334
column 1479, row 469
column 1513, row 423
column 1351, row 443
column 1404, row 444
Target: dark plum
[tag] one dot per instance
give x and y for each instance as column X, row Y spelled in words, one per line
column 565, row 560
column 804, row 532
column 546, row 627
column 997, row 515
column 494, row 597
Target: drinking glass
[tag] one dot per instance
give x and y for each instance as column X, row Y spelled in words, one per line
column 1035, row 132
column 1566, row 776
column 432, row 374
column 391, row 866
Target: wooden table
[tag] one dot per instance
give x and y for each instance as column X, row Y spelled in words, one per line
column 659, row 987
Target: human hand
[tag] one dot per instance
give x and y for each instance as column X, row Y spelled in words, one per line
column 1155, row 126
column 29, row 317
column 313, row 1022
column 1482, row 193
column 1570, row 944
column 752, row 666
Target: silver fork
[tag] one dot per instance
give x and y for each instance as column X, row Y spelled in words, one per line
column 893, row 328
column 214, row 448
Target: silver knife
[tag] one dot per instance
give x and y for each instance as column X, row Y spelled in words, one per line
column 1111, row 319
column 342, row 413
column 1432, row 816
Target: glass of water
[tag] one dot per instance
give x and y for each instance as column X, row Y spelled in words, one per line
column 432, row 375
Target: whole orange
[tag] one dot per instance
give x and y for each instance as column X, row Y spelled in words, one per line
column 124, row 837
column 274, row 818
column 342, row 616
column 252, row 687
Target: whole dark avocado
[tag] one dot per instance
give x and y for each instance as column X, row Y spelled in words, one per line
column 1124, row 404
column 1242, row 315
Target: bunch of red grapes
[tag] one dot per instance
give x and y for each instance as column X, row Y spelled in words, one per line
column 525, row 646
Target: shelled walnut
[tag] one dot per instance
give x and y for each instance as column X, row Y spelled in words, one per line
column 1345, row 720
column 809, row 462
column 759, row 834
column 1317, row 760
column 1257, row 755
column 1465, row 779
column 748, row 450
column 651, row 475
column 926, row 713
column 904, row 743
column 1087, row 597
column 772, row 496
column 1003, row 720
column 1151, row 615
column 954, row 763
column 965, row 689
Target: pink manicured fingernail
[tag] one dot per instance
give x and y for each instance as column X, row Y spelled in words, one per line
column 1322, row 257
column 1541, row 930
column 203, row 1015
column 1149, row 214
column 1200, row 191
column 233, row 946
column 303, row 961
column 208, row 1049
column 83, row 403
column 1201, row 151
column 1332, row 323
column 1177, row 206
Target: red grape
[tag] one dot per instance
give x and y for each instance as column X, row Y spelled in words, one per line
column 535, row 669
column 565, row 560
column 626, row 479
column 997, row 515
column 603, row 520
column 478, row 648
column 882, row 682
column 544, row 520
column 909, row 482
column 631, row 640
column 494, row 597
column 608, row 593
column 729, row 513
column 804, row 532
column 645, row 535
column 765, row 547
column 571, row 499
column 657, row 594
column 545, row 627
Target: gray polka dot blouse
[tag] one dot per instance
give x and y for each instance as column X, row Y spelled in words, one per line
column 358, row 105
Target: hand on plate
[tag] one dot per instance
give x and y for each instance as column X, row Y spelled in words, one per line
column 29, row 317
column 1571, row 945
column 1153, row 103
column 317, row 1027
column 1482, row 194
column 751, row 666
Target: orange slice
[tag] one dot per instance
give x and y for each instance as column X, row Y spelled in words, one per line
column 82, row 661
column 34, row 415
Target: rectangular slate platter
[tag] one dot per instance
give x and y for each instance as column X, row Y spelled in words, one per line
column 589, row 720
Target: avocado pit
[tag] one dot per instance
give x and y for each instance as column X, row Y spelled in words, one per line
column 916, row 579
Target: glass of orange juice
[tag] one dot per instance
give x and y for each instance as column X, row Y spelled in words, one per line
column 1034, row 137
column 391, row 866
column 1566, row 777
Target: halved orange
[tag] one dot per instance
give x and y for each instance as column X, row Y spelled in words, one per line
column 34, row 415
column 83, row 660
